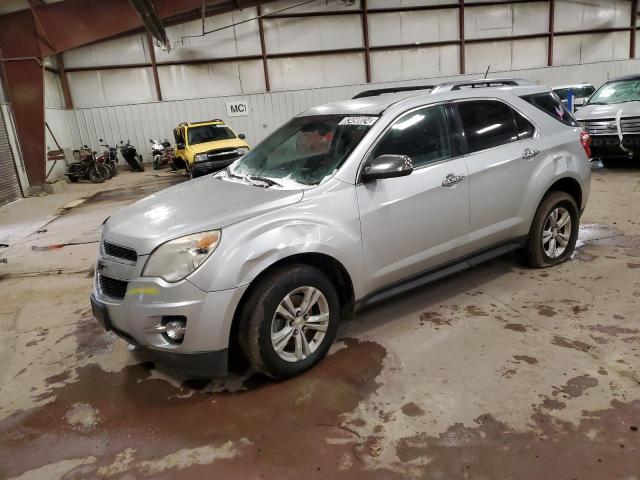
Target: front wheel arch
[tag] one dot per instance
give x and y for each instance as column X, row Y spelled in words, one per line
column 330, row 266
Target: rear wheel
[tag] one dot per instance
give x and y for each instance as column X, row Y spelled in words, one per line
column 106, row 170
column 96, row 175
column 554, row 231
column 289, row 321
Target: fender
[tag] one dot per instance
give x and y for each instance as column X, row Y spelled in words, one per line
column 250, row 247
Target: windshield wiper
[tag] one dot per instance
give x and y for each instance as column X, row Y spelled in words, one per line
column 268, row 181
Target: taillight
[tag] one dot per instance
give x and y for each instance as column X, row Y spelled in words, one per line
column 585, row 140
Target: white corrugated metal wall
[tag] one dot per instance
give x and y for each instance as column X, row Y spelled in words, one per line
column 120, row 104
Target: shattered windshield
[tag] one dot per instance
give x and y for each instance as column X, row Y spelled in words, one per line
column 616, row 92
column 304, row 151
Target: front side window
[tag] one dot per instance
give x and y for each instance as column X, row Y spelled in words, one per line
column 422, row 135
column 209, row 133
column 617, row 92
column 487, row 124
column 304, row 151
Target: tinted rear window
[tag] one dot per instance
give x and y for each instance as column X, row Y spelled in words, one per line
column 487, row 124
column 549, row 103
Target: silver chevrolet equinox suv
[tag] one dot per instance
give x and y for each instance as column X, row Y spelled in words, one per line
column 346, row 204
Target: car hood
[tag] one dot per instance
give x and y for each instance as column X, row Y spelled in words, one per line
column 594, row 112
column 207, row 146
column 195, row 206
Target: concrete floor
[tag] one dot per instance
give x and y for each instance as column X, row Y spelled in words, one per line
column 500, row 372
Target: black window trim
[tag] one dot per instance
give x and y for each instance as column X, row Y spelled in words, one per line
column 464, row 142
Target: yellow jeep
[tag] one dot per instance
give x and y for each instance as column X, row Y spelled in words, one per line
column 205, row 147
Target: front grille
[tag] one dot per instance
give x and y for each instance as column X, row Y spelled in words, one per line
column 607, row 126
column 112, row 287
column 119, row 252
column 223, row 153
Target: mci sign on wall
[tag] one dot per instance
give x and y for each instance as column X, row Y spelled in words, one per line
column 237, row 109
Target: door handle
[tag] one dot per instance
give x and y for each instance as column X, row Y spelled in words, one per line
column 452, row 179
column 529, row 153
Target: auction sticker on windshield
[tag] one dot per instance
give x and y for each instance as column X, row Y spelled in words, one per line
column 360, row 121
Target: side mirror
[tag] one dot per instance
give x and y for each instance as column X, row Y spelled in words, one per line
column 180, row 146
column 387, row 166
column 242, row 136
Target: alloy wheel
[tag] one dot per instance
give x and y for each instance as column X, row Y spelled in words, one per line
column 556, row 232
column 299, row 324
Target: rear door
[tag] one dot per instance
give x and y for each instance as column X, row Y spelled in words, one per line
column 503, row 153
column 414, row 223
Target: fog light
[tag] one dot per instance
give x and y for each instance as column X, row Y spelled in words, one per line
column 175, row 330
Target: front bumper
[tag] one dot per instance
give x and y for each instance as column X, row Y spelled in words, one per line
column 608, row 146
column 209, row 166
column 148, row 301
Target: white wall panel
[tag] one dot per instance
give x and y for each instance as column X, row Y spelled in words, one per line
column 269, row 110
column 413, row 27
column 316, row 71
column 596, row 47
column 286, row 35
column 53, row 90
column 110, row 87
column 373, row 4
column 240, row 40
column 505, row 55
column 119, row 51
column 205, row 80
column 589, row 14
column 317, row 6
column 506, row 20
column 395, row 65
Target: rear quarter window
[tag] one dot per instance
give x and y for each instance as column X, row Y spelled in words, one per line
column 550, row 104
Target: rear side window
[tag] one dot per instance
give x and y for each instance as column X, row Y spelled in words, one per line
column 422, row 135
column 487, row 124
column 523, row 127
column 549, row 103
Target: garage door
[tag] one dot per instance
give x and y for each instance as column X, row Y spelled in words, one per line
column 9, row 182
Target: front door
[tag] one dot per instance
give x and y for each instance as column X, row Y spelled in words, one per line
column 414, row 223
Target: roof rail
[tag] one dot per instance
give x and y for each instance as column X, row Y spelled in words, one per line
column 382, row 91
column 482, row 83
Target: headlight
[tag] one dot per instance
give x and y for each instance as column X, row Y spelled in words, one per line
column 242, row 150
column 178, row 258
column 201, row 157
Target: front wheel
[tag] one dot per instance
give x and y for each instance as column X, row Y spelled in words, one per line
column 289, row 321
column 554, row 231
column 139, row 162
column 156, row 162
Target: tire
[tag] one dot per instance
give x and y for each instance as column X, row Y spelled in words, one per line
column 107, row 172
column 540, row 255
column 114, row 168
column 259, row 318
column 96, row 175
column 139, row 163
column 156, row 162
column 73, row 179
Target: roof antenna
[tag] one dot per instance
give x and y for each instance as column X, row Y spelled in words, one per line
column 487, row 72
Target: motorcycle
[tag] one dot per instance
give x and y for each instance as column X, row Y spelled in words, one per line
column 162, row 154
column 86, row 167
column 131, row 156
column 109, row 157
